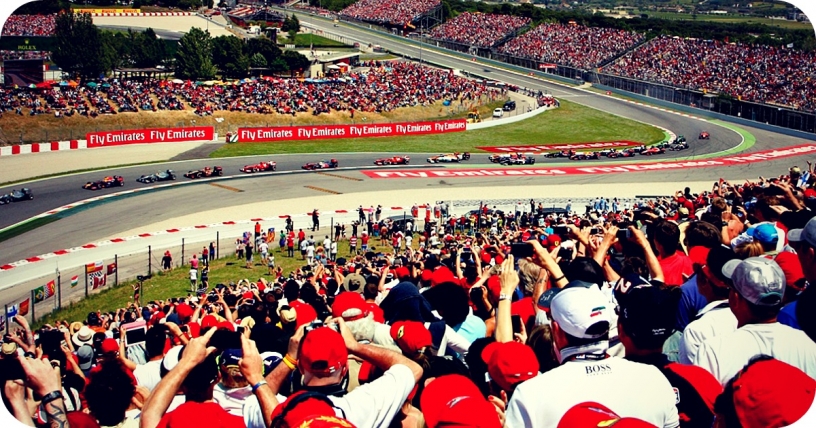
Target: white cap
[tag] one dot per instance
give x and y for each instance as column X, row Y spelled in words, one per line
column 807, row 234
column 757, row 279
column 582, row 312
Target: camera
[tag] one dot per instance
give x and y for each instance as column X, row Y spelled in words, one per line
column 212, row 298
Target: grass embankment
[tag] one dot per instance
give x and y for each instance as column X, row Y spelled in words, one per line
column 572, row 123
column 731, row 19
column 308, row 39
column 176, row 283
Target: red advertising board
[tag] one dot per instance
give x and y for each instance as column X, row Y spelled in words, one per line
column 320, row 132
column 588, row 168
column 551, row 147
column 157, row 135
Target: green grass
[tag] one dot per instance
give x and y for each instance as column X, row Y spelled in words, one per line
column 572, row 123
column 305, row 40
column 175, row 283
column 26, row 227
column 731, row 18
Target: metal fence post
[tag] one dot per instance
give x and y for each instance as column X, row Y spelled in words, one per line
column 182, row 252
column 149, row 260
column 217, row 244
column 59, row 289
column 33, row 317
column 86, row 282
column 5, row 314
column 116, row 272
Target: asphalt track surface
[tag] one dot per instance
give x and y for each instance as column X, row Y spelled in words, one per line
column 105, row 220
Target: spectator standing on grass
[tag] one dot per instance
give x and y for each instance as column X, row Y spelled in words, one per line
column 249, row 259
column 205, row 256
column 258, row 229
column 353, row 245
column 290, row 244
column 263, row 249
column 194, row 261
column 167, row 261
column 315, row 220
column 193, row 279
column 239, row 249
column 270, row 263
column 212, row 251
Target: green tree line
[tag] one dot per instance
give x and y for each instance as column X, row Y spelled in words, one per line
column 82, row 49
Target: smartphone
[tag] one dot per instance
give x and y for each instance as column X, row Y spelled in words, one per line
column 561, row 230
column 212, row 298
column 596, row 231
column 521, row 250
column 624, row 234
column 516, row 323
column 239, row 329
column 249, row 301
column 135, row 333
column 225, row 339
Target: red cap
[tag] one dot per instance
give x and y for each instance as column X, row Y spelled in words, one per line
column 494, row 288
column 322, row 352
column 771, row 393
column 305, row 314
column 209, row 321
column 351, row 304
column 510, row 363
column 411, row 336
column 311, row 412
column 402, row 272
column 184, row 311
column 810, row 193
column 110, row 346
column 426, row 276
column 81, row 420
column 551, row 241
column 699, row 255
column 442, row 275
column 792, row 269
column 226, row 325
column 593, row 415
column 454, row 400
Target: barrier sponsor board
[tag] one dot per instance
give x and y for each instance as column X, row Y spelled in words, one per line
column 101, row 11
column 552, row 148
column 157, row 135
column 320, row 132
column 544, row 171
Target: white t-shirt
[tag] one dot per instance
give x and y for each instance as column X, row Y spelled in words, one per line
column 334, row 247
column 627, row 388
column 372, row 405
column 725, row 355
column 264, row 247
column 148, row 375
column 310, row 251
column 326, row 243
column 232, row 400
column 713, row 320
column 408, row 240
column 193, row 274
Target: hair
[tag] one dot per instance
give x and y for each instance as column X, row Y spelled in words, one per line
column 724, row 406
column 476, row 365
column 718, row 206
column 667, row 234
column 198, row 381
column 370, row 291
column 765, row 204
column 540, row 339
column 635, row 265
column 719, row 292
column 451, row 300
column 585, row 269
column 528, row 275
column 762, row 312
column 291, row 290
column 109, row 393
column 155, row 340
column 702, row 233
column 749, row 249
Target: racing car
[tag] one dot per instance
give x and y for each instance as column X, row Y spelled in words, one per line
column 625, row 153
column 449, row 157
column 205, row 172
column 561, row 154
column 584, row 155
column 157, row 176
column 518, row 160
column 321, row 165
column 653, row 151
column 260, row 167
column 703, row 136
column 23, row 194
column 393, row 160
column 679, row 146
column 107, row 182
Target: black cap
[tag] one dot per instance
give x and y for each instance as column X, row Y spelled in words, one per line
column 717, row 258
column 647, row 314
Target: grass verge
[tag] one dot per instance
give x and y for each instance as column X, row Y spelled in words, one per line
column 572, row 123
column 26, row 227
column 308, row 39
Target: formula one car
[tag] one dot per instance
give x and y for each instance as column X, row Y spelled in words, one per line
column 703, row 136
column 324, row 164
column 215, row 171
column 449, row 157
column 107, row 182
column 393, row 160
column 653, row 151
column 518, row 160
column 157, row 176
column 498, row 158
column 23, row 194
column 625, row 153
column 260, row 167
column 679, row 146
column 561, row 154
column 584, row 155
column 680, row 139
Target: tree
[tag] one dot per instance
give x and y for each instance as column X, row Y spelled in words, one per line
column 228, row 55
column 194, row 55
column 291, row 23
column 258, row 61
column 82, row 49
column 265, row 47
column 278, row 66
column 295, row 61
column 43, row 7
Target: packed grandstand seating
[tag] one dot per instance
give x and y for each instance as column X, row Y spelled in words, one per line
column 30, row 25
column 315, row 9
column 482, row 30
column 388, row 12
column 750, row 72
column 384, row 87
column 12, row 55
column 571, row 45
column 707, row 306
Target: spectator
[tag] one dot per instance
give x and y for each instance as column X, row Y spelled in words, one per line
column 30, row 25
column 386, row 12
column 676, row 265
column 483, row 30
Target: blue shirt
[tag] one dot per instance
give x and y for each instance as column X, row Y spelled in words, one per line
column 787, row 316
column 472, row 328
column 691, row 301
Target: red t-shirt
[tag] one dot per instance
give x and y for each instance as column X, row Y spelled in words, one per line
column 524, row 309
column 674, row 267
column 364, row 239
column 208, row 414
column 379, row 315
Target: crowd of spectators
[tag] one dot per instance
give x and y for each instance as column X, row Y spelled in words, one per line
column 30, row 25
column 482, row 30
column 765, row 74
column 691, row 310
column 387, row 12
column 315, row 10
column 12, row 55
column 376, row 87
column 571, row 45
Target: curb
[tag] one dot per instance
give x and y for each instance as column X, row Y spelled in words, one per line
column 145, row 14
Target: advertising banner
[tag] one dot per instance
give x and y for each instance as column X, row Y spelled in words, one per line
column 320, row 132
column 559, row 147
column 142, row 136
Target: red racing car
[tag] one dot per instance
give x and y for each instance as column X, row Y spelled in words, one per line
column 207, row 171
column 625, row 153
column 653, row 151
column 324, row 164
column 260, row 167
column 107, row 182
column 394, row 160
column 704, row 136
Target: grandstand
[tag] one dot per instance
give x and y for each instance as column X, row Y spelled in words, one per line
column 244, row 15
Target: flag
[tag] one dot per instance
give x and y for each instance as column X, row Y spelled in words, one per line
column 12, row 311
column 74, row 281
column 93, row 267
column 111, row 268
column 50, row 289
column 24, row 306
column 39, row 294
column 2, row 322
column 96, row 274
